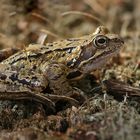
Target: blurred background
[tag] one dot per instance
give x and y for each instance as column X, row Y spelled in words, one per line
column 24, row 21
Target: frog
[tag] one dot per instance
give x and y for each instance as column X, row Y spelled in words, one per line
column 43, row 72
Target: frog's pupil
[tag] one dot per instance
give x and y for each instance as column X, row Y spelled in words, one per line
column 101, row 41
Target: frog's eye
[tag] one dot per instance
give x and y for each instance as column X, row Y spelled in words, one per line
column 100, row 41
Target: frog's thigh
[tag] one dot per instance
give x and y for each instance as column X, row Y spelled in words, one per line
column 56, row 75
column 11, row 88
column 10, row 75
column 15, row 92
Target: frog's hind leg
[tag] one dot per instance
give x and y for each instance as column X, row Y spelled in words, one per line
column 5, row 53
column 15, row 86
column 11, row 92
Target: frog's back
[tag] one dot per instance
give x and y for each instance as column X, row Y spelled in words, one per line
column 35, row 51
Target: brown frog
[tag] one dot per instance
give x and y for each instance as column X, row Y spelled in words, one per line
column 42, row 72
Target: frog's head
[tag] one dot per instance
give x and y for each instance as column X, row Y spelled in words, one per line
column 101, row 47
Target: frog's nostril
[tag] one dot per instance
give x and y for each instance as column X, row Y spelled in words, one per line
column 122, row 41
column 119, row 40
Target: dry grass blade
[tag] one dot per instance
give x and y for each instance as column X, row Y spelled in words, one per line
column 12, row 14
column 98, row 6
column 49, row 33
column 83, row 14
column 119, row 88
column 42, row 38
column 41, row 17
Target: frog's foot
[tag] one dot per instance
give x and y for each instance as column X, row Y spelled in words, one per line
column 77, row 94
column 42, row 98
column 5, row 53
column 62, row 98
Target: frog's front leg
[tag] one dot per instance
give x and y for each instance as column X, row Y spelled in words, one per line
column 56, row 75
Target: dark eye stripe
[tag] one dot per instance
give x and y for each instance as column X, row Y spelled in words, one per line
column 3, row 76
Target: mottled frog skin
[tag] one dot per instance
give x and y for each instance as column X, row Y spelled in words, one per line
column 40, row 72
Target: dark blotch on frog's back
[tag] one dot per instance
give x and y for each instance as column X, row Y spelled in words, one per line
column 73, row 39
column 2, row 76
column 14, row 77
column 50, row 44
column 74, row 74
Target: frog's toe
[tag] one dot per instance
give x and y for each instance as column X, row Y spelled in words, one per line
column 78, row 95
column 59, row 98
column 42, row 98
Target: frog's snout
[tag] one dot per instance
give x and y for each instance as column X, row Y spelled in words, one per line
column 121, row 40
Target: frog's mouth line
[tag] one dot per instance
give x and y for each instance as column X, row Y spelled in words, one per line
column 105, row 53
